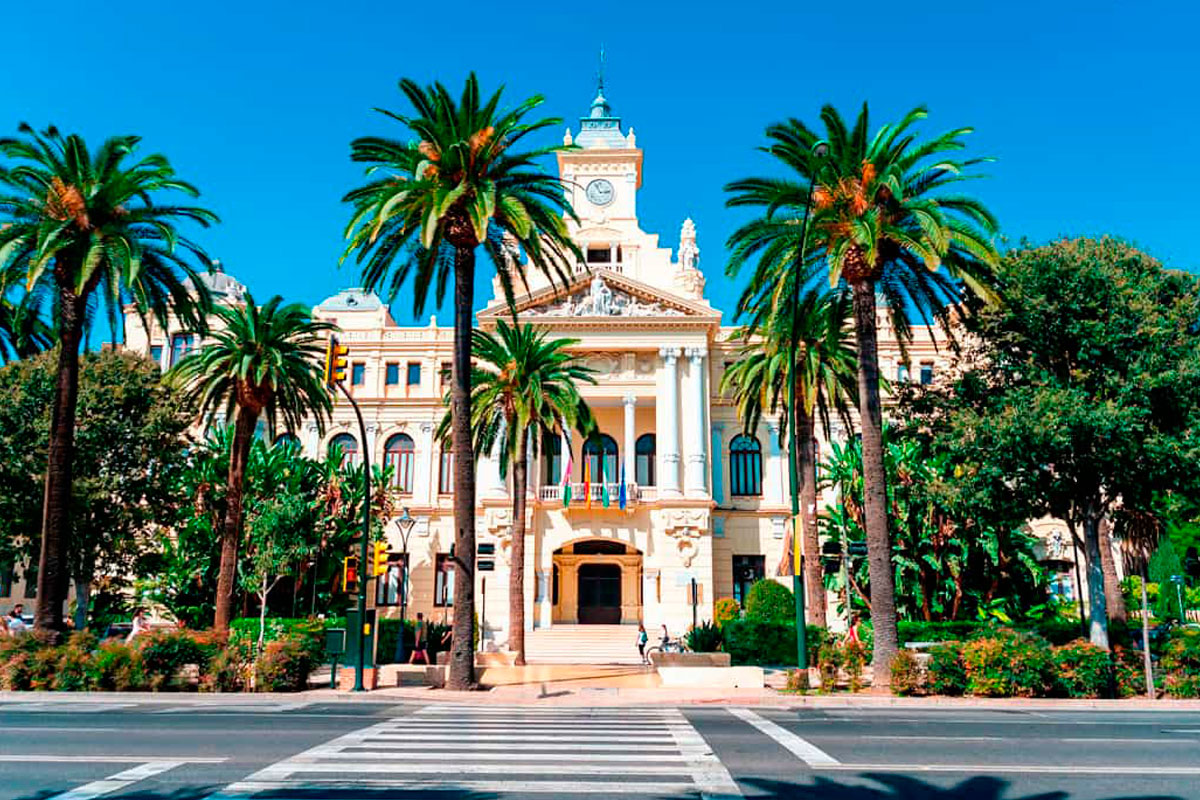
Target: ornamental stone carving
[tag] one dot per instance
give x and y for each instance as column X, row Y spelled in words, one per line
column 685, row 526
column 601, row 300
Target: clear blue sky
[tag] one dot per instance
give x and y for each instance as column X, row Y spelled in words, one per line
column 1089, row 107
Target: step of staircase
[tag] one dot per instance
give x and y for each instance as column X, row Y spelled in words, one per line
column 582, row 644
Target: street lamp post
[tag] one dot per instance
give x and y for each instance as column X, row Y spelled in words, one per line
column 404, row 524
column 818, row 151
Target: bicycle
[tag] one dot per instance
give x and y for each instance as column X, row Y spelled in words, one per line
column 669, row 646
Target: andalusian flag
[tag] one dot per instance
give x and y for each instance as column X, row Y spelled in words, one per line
column 566, row 480
column 587, row 482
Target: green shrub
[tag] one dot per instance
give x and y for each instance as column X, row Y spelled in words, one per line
column 907, row 679
column 226, row 672
column 797, row 681
column 769, row 643
column 921, row 631
column 1129, row 672
column 726, row 610
column 829, row 661
column 116, row 667
column 1081, row 669
column 854, row 657
column 705, row 638
column 74, row 665
column 284, row 665
column 769, row 601
column 945, row 673
column 1180, row 663
column 1182, row 685
column 243, row 633
column 15, row 671
column 166, row 653
column 1008, row 663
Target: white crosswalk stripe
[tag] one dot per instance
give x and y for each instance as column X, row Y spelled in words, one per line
column 501, row 750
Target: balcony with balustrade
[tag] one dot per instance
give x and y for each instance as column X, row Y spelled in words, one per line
column 634, row 494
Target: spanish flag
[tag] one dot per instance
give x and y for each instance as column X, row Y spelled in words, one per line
column 587, row 482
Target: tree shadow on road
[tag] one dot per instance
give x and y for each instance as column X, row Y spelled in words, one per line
column 904, row 787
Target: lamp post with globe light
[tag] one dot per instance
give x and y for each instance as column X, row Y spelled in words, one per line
column 404, row 524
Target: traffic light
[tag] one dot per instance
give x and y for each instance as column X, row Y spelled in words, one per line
column 350, row 575
column 335, row 361
column 379, row 558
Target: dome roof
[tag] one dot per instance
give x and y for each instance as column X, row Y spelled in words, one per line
column 354, row 299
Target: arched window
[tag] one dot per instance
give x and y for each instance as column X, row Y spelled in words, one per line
column 600, row 455
column 745, row 466
column 349, row 447
column 399, row 454
column 288, row 440
column 552, row 465
column 643, row 460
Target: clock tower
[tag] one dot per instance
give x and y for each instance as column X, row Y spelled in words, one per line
column 602, row 176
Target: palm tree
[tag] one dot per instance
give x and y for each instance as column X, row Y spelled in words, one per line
column 883, row 225
column 259, row 362
column 87, row 232
column 523, row 390
column 460, row 183
column 825, row 379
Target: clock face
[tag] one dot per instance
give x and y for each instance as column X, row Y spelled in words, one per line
column 600, row 192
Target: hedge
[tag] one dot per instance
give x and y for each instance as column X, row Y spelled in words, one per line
column 753, row 642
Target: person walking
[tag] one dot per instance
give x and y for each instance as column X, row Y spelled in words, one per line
column 139, row 625
column 666, row 638
column 420, row 641
column 642, row 639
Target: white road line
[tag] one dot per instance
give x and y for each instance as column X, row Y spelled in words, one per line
column 467, row 729
column 67, row 707
column 1181, row 730
column 117, row 782
column 516, row 738
column 245, row 789
column 427, row 755
column 517, row 765
column 53, row 729
column 804, row 750
column 557, row 744
column 139, row 759
column 988, row 769
column 709, row 774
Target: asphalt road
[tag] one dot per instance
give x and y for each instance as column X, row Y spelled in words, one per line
column 294, row 751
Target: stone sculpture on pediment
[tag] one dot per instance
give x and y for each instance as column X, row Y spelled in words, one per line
column 601, row 300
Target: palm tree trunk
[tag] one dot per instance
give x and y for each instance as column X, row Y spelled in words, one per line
column 239, row 455
column 875, row 520
column 516, row 574
column 1112, row 585
column 56, row 520
column 1097, row 607
column 462, row 648
column 814, row 584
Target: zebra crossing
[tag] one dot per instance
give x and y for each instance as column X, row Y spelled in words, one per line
column 502, row 750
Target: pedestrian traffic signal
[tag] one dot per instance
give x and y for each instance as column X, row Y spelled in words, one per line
column 379, row 558
column 335, row 361
column 350, row 575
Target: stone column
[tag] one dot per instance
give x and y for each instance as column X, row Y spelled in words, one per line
column 630, row 440
column 312, row 442
column 423, row 479
column 694, row 435
column 773, row 469
column 667, row 418
column 718, row 478
column 488, row 475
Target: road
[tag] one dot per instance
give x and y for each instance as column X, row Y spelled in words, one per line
column 55, row 750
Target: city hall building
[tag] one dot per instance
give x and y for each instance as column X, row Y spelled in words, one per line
column 680, row 491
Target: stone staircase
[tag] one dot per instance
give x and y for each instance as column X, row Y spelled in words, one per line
column 582, row 644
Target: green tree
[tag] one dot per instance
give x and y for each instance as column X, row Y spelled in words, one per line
column 524, row 389
column 825, row 381
column 1166, row 569
column 1083, row 396
column 88, row 230
column 461, row 182
column 130, row 441
column 260, row 362
column 882, row 223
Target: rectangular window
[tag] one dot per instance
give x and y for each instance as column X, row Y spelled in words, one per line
column 926, row 374
column 746, row 571
column 393, row 374
column 443, row 581
column 598, row 255
column 181, row 345
column 156, row 352
column 447, row 372
column 414, row 373
column 389, row 586
column 358, row 373
column 446, row 473
column 902, row 373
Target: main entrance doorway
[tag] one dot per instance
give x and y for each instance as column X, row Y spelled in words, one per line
column 599, row 594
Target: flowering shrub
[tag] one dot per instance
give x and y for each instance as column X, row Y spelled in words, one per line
column 1181, row 663
column 1129, row 672
column 116, row 667
column 1008, row 664
column 725, row 610
column 1081, row 669
column 946, row 673
column 829, row 661
column 283, row 666
column 854, row 657
column 907, row 679
column 166, row 653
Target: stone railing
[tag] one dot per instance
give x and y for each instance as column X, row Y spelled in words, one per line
column 633, row 494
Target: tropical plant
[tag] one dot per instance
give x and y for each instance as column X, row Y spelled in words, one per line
column 825, row 381
column 882, row 224
column 260, row 362
column 460, row 183
column 524, row 389
column 88, row 233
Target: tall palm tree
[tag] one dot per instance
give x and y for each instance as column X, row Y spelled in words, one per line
column 524, row 389
column 883, row 224
column 87, row 231
column 460, row 183
column 259, row 362
column 825, row 380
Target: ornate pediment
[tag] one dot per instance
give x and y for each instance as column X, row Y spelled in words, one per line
column 599, row 299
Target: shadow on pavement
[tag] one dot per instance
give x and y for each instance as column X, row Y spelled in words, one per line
column 904, row 787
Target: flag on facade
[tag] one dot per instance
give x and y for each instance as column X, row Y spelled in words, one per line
column 622, row 497
column 566, row 481
column 587, row 482
column 603, row 484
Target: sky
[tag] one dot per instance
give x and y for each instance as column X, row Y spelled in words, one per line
column 1089, row 108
